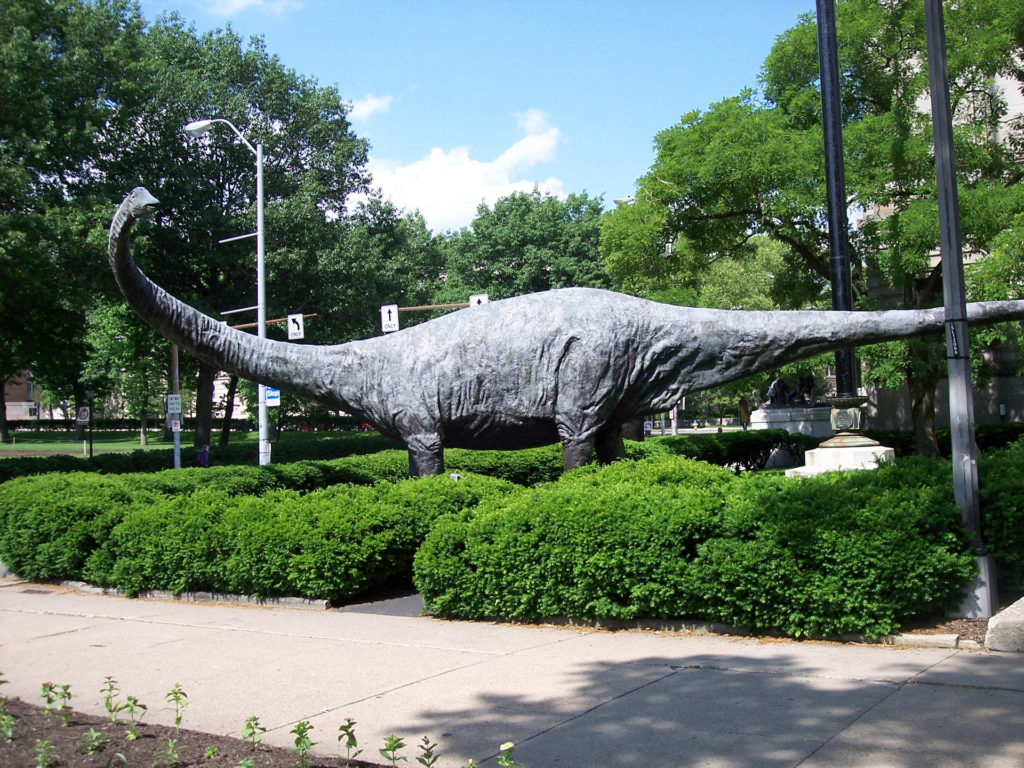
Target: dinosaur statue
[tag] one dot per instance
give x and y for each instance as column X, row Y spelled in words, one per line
column 569, row 365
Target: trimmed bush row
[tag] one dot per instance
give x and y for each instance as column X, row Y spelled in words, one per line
column 665, row 537
column 670, row 537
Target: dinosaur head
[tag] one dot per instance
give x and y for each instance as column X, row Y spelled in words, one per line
column 141, row 204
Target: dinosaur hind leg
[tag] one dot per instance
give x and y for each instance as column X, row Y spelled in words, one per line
column 426, row 455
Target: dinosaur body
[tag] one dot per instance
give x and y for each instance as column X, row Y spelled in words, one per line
column 570, row 365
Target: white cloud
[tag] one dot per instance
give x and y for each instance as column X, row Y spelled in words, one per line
column 369, row 105
column 446, row 186
column 231, row 7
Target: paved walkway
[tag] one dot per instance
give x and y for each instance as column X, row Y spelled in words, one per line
column 566, row 696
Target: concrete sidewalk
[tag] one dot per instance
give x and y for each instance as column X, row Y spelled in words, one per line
column 565, row 696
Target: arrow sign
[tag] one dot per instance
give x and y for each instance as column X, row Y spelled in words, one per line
column 295, row 328
column 389, row 318
column 477, row 299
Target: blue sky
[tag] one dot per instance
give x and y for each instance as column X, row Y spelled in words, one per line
column 465, row 102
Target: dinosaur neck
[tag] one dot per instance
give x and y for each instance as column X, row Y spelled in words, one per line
column 329, row 374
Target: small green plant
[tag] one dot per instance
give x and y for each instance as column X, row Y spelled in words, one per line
column 392, row 746
column 428, row 756
column 246, row 762
column 179, row 700
column 505, row 755
column 302, row 741
column 48, row 694
column 3, row 682
column 252, row 732
column 135, row 710
column 169, row 754
column 116, row 756
column 92, row 741
column 64, row 710
column 110, row 703
column 6, row 726
column 43, row 754
column 211, row 752
column 347, row 738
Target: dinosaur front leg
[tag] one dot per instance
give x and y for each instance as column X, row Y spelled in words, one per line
column 577, row 453
column 426, row 455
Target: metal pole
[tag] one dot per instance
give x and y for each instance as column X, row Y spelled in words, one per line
column 982, row 601
column 261, row 307
column 174, row 389
column 835, row 182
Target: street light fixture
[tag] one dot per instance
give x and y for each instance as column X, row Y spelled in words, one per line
column 198, row 128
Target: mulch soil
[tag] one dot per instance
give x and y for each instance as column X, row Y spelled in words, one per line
column 151, row 748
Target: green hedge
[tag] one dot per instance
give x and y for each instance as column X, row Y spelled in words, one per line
column 332, row 544
column 1002, row 514
column 670, row 537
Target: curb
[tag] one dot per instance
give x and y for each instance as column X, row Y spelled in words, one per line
column 205, row 597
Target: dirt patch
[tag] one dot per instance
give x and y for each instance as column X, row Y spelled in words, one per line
column 153, row 747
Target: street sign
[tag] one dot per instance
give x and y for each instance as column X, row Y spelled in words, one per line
column 295, row 329
column 175, row 425
column 273, row 397
column 389, row 318
column 174, row 403
column 82, row 419
column 477, row 299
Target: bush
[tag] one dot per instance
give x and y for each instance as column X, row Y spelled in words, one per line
column 740, row 450
column 670, row 538
column 1002, row 513
column 331, row 544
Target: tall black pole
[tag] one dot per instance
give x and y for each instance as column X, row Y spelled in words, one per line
column 983, row 601
column 835, row 181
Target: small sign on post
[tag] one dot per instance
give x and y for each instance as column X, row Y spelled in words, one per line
column 174, row 403
column 273, row 397
column 295, row 327
column 175, row 425
column 82, row 418
column 389, row 318
column 477, row 299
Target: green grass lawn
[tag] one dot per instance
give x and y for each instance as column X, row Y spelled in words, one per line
column 65, row 442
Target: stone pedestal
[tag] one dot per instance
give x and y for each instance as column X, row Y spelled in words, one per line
column 827, row 459
column 795, row 419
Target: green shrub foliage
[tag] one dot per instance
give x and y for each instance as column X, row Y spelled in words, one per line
column 1002, row 513
column 670, row 537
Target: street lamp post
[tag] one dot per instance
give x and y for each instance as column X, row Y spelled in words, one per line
column 198, row 128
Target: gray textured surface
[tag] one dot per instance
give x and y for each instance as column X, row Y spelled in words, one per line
column 570, row 365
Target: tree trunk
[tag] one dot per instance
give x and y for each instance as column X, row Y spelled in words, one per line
column 143, row 438
column 204, row 404
column 5, row 432
column 922, row 409
column 229, row 410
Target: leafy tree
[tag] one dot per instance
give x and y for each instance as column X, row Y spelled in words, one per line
column 525, row 243
column 126, row 363
column 753, row 165
column 313, row 162
column 63, row 66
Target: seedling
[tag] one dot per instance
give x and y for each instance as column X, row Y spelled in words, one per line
column 252, row 732
column 168, row 756
column 347, row 738
column 302, row 741
column 427, row 756
column 110, row 691
column 179, row 699
column 211, row 752
column 505, row 755
column 6, row 727
column 48, row 694
column 43, row 754
column 134, row 708
column 392, row 746
column 91, row 741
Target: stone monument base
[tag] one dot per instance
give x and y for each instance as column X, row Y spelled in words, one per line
column 828, row 459
column 795, row 419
